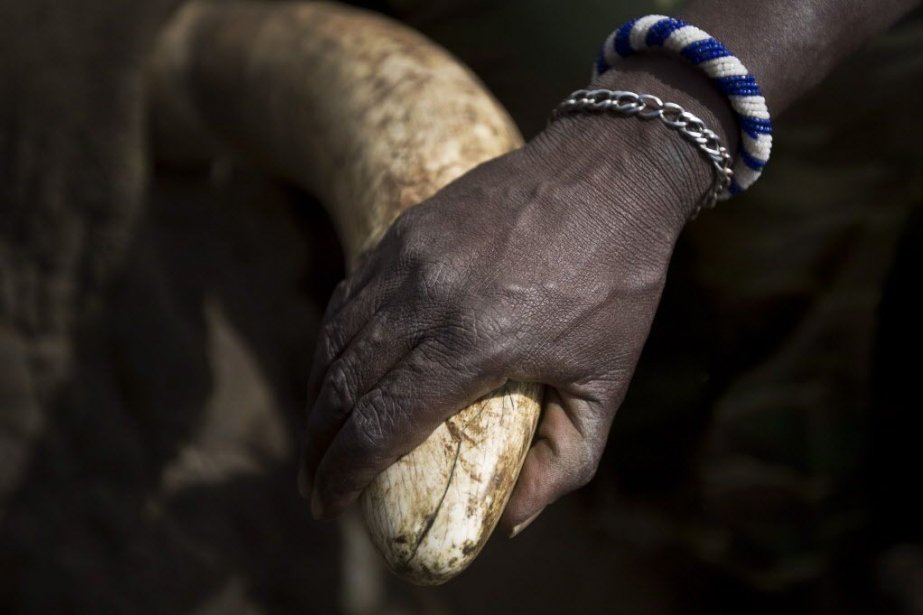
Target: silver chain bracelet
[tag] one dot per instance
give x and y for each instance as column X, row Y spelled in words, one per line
column 648, row 107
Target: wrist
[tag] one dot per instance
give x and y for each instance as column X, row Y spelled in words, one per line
column 675, row 80
column 666, row 175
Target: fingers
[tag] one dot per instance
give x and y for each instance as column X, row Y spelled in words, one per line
column 375, row 350
column 569, row 443
column 347, row 313
column 390, row 420
column 352, row 303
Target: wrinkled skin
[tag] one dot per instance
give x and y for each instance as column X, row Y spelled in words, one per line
column 544, row 265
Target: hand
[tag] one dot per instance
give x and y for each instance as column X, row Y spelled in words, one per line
column 544, row 265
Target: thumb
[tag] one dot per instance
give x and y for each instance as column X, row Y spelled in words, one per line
column 568, row 446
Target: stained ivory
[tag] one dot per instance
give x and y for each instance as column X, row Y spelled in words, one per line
column 372, row 118
column 431, row 512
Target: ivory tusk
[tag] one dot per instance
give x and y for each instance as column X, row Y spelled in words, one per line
column 372, row 118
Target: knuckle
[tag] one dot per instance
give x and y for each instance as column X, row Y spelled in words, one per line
column 413, row 250
column 375, row 420
column 340, row 386
column 410, row 239
column 585, row 468
column 376, row 334
column 330, row 340
column 583, row 476
column 439, row 282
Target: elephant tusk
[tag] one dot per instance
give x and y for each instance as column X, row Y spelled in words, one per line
column 372, row 118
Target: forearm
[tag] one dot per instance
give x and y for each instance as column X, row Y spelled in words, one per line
column 791, row 45
column 788, row 45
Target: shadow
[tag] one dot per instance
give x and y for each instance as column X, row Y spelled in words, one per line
column 147, row 492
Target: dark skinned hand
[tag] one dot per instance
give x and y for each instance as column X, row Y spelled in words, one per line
column 544, row 265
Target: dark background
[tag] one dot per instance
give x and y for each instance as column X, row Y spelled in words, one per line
column 156, row 327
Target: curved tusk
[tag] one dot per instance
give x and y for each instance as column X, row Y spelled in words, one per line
column 372, row 118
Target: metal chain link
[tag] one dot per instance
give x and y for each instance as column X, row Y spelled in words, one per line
column 648, row 107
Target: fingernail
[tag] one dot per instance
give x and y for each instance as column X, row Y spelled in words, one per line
column 317, row 509
column 519, row 528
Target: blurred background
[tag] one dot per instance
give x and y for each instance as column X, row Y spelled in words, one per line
column 157, row 324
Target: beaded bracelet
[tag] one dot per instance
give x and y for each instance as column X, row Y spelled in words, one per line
column 725, row 71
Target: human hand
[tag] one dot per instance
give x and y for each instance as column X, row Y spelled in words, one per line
column 544, row 265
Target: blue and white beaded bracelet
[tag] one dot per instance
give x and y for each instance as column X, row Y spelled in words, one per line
column 724, row 69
